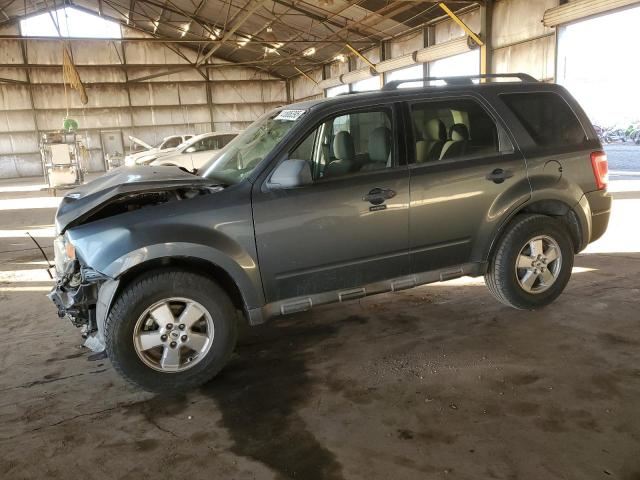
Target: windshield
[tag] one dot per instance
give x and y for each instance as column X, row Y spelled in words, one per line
column 236, row 161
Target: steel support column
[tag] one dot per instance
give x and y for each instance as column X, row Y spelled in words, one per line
column 429, row 38
column 486, row 50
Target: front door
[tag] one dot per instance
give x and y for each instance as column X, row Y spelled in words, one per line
column 348, row 228
column 465, row 176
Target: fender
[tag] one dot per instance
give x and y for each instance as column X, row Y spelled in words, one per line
column 242, row 269
column 241, row 274
column 543, row 192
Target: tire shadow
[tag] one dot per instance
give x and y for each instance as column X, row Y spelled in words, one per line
column 259, row 393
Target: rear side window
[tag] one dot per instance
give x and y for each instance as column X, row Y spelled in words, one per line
column 547, row 118
column 453, row 129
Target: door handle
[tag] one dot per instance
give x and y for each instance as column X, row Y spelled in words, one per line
column 499, row 175
column 377, row 196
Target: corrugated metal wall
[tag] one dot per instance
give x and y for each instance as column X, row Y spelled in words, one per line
column 149, row 110
column 521, row 43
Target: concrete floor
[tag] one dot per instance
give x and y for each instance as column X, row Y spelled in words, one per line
column 436, row 382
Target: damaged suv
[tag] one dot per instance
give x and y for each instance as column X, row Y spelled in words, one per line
column 328, row 201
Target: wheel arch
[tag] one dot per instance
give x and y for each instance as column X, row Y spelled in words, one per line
column 191, row 264
column 553, row 207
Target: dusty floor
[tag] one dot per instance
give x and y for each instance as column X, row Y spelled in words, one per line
column 436, row 382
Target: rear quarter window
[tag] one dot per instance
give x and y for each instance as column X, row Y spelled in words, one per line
column 547, row 117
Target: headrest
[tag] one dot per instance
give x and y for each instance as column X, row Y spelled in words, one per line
column 379, row 144
column 434, row 129
column 459, row 132
column 343, row 146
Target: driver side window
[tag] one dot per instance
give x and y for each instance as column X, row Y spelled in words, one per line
column 349, row 143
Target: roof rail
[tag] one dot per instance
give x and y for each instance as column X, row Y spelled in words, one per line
column 462, row 80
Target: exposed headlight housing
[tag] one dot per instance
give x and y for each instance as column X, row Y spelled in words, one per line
column 64, row 254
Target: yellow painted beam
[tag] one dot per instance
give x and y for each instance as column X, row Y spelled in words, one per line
column 463, row 25
column 304, row 74
column 362, row 57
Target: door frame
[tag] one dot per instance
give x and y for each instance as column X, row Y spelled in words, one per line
column 104, row 153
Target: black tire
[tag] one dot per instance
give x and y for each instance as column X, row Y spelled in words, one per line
column 501, row 277
column 154, row 287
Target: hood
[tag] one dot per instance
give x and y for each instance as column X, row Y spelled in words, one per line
column 143, row 153
column 140, row 142
column 80, row 202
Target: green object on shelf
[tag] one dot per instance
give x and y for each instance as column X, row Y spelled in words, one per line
column 70, row 125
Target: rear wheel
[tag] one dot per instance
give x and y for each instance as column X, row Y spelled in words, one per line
column 532, row 263
column 171, row 331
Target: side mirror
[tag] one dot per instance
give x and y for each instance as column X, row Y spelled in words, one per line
column 291, row 174
column 190, row 150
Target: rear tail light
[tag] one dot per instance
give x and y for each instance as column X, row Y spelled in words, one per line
column 600, row 169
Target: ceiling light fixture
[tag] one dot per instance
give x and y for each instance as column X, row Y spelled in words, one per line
column 341, row 57
column 244, row 40
column 273, row 48
column 156, row 24
column 185, row 29
column 309, row 51
column 269, row 28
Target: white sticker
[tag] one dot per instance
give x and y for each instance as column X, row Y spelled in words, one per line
column 290, row 115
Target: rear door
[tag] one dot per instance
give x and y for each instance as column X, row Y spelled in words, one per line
column 348, row 228
column 462, row 189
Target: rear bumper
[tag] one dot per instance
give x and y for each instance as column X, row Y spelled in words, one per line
column 600, row 205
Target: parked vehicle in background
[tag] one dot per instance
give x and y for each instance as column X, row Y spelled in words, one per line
column 617, row 134
column 196, row 151
column 331, row 200
column 151, row 153
column 632, row 133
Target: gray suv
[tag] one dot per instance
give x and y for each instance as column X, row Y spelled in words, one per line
column 328, row 201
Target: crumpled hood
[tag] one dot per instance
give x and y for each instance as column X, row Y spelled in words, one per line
column 82, row 201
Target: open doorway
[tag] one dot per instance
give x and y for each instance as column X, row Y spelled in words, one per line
column 597, row 63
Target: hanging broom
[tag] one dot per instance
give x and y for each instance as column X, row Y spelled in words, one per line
column 70, row 75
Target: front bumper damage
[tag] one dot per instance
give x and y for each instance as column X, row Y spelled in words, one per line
column 75, row 295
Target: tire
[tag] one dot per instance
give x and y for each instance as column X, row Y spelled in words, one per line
column 512, row 285
column 215, row 331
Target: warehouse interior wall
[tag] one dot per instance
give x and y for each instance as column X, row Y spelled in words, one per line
column 33, row 100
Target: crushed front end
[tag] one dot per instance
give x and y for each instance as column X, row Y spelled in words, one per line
column 75, row 293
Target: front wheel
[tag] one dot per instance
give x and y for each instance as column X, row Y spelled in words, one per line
column 170, row 331
column 532, row 263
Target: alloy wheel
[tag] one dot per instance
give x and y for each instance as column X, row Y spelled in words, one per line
column 173, row 335
column 538, row 264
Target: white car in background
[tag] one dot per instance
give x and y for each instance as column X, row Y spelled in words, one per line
column 197, row 151
column 168, row 144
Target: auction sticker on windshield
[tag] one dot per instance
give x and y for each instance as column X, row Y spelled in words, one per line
column 291, row 115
